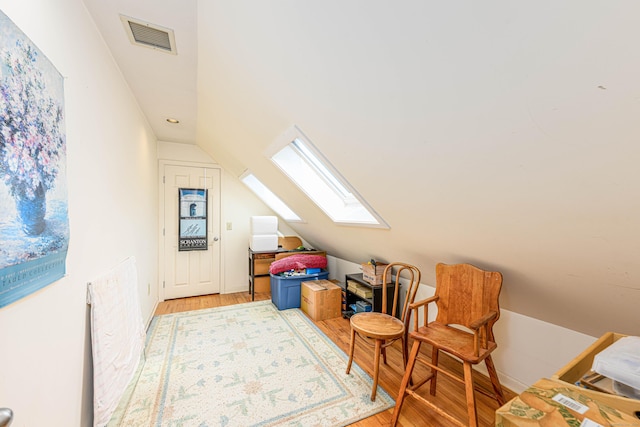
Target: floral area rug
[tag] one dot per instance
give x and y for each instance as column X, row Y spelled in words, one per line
column 245, row 365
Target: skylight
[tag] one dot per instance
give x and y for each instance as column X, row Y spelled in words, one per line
column 301, row 161
column 267, row 196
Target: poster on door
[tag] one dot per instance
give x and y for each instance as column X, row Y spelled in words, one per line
column 193, row 219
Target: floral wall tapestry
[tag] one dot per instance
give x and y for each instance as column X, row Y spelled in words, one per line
column 34, row 225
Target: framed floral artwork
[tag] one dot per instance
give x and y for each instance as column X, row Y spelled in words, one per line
column 34, row 225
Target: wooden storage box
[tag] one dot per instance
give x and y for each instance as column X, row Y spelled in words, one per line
column 261, row 266
column 581, row 365
column 373, row 274
column 573, row 371
column 262, row 284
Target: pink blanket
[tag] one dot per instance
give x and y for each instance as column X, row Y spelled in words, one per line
column 298, row 262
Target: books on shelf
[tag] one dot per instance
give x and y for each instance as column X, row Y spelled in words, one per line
column 359, row 289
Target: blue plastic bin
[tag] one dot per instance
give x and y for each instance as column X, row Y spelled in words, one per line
column 285, row 290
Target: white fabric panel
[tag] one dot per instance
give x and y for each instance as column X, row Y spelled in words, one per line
column 117, row 336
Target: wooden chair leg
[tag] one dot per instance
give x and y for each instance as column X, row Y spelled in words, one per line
column 405, row 351
column 471, row 398
column 434, row 372
column 405, row 355
column 405, row 381
column 495, row 381
column 352, row 346
column 384, row 353
column 376, row 368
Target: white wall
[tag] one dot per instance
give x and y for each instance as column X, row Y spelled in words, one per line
column 45, row 360
column 497, row 133
column 520, row 359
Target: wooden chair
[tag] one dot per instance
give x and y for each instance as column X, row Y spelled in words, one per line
column 289, row 242
column 465, row 296
column 380, row 330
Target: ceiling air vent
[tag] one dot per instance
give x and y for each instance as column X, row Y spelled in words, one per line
column 149, row 35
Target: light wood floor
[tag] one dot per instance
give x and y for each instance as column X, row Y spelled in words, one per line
column 450, row 394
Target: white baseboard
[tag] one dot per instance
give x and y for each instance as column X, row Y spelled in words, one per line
column 150, row 317
column 528, row 349
column 235, row 289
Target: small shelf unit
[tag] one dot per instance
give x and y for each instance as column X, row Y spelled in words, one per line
column 376, row 293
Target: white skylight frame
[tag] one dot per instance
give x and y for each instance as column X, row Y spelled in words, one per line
column 268, row 197
column 296, row 156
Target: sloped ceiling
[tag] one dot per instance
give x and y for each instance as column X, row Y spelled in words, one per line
column 498, row 133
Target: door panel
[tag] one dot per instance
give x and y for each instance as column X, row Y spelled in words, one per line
column 197, row 272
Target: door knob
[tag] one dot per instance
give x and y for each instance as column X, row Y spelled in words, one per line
column 6, row 416
column 215, row 239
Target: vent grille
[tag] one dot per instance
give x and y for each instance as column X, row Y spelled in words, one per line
column 149, row 35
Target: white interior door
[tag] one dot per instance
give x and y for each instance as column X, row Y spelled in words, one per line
column 190, row 272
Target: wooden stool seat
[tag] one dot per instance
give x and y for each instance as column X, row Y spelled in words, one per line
column 453, row 341
column 377, row 325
